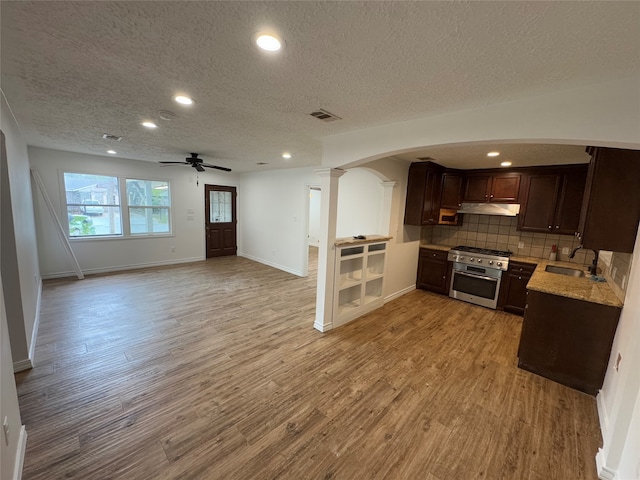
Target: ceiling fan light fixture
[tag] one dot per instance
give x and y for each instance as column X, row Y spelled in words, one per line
column 184, row 100
column 149, row 125
column 286, row 155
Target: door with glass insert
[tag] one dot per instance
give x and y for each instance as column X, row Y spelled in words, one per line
column 220, row 220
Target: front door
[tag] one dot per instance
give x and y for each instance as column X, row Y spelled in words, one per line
column 220, row 222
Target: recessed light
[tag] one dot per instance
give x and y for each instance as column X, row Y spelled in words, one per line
column 183, row 100
column 286, row 155
column 268, row 42
column 505, row 164
column 149, row 125
column 493, row 154
column 112, row 152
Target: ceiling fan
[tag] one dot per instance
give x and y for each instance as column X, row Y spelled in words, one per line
column 197, row 163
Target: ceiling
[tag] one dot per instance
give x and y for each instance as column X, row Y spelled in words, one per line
column 72, row 71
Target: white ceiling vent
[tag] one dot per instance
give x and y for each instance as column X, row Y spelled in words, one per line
column 325, row 116
column 108, row 136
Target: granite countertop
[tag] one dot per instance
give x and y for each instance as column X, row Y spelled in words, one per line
column 442, row 248
column 340, row 242
column 579, row 288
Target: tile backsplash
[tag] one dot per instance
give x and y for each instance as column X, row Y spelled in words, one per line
column 500, row 233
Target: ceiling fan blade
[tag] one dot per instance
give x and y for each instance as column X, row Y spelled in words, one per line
column 176, row 163
column 224, row 169
column 198, row 167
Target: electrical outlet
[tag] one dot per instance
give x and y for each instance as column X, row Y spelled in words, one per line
column 565, row 250
column 173, row 249
column 614, row 271
column 6, row 429
column 520, row 244
column 624, row 282
column 618, row 360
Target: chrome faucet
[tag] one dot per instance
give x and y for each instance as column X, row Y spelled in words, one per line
column 594, row 265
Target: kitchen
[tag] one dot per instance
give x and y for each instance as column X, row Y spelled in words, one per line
column 492, row 237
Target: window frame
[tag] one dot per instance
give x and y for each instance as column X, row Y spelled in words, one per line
column 167, row 207
column 123, row 207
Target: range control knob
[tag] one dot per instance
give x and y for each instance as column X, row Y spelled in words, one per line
column 499, row 264
column 479, row 260
column 461, row 258
column 490, row 262
column 471, row 259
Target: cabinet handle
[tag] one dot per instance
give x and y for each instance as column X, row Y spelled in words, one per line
column 492, row 195
column 557, row 226
column 519, row 278
column 434, row 254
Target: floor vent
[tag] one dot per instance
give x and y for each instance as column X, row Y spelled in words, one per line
column 325, row 116
column 108, row 136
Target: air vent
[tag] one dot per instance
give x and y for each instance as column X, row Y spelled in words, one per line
column 108, row 136
column 427, row 159
column 325, row 116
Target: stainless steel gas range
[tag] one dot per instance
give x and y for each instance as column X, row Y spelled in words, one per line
column 477, row 273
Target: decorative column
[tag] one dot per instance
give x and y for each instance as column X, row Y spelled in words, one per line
column 385, row 216
column 326, row 252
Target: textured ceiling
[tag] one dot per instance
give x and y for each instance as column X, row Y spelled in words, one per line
column 74, row 70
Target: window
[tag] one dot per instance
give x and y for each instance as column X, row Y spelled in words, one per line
column 149, row 202
column 93, row 205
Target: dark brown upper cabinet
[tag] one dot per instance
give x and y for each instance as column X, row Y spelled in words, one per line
column 552, row 199
column 611, row 206
column 452, row 184
column 492, row 187
column 422, row 206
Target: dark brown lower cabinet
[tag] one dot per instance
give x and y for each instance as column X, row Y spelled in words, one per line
column 434, row 271
column 513, row 289
column 567, row 340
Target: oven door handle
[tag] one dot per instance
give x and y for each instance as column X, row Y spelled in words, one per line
column 475, row 276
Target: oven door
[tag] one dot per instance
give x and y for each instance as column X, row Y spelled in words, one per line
column 477, row 285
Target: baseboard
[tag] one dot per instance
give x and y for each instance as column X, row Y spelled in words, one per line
column 603, row 415
column 400, row 293
column 322, row 327
column 604, row 473
column 272, row 264
column 22, row 365
column 22, row 448
column 36, row 325
column 90, row 271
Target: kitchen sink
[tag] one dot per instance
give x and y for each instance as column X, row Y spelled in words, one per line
column 570, row 272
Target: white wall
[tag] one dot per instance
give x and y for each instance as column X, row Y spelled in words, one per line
column 20, row 271
column 360, row 196
column 11, row 455
column 315, row 197
column 272, row 212
column 100, row 255
column 619, row 398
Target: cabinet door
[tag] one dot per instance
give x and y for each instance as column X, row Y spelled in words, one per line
column 567, row 214
column 451, row 191
column 541, row 194
column 505, row 188
column 477, row 188
column 611, row 208
column 433, row 270
column 431, row 202
column 416, row 185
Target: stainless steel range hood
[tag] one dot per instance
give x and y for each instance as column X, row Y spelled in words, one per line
column 504, row 209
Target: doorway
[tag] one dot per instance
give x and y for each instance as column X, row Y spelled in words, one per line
column 220, row 220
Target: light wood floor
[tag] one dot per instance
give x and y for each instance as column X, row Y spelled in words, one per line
column 212, row 370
